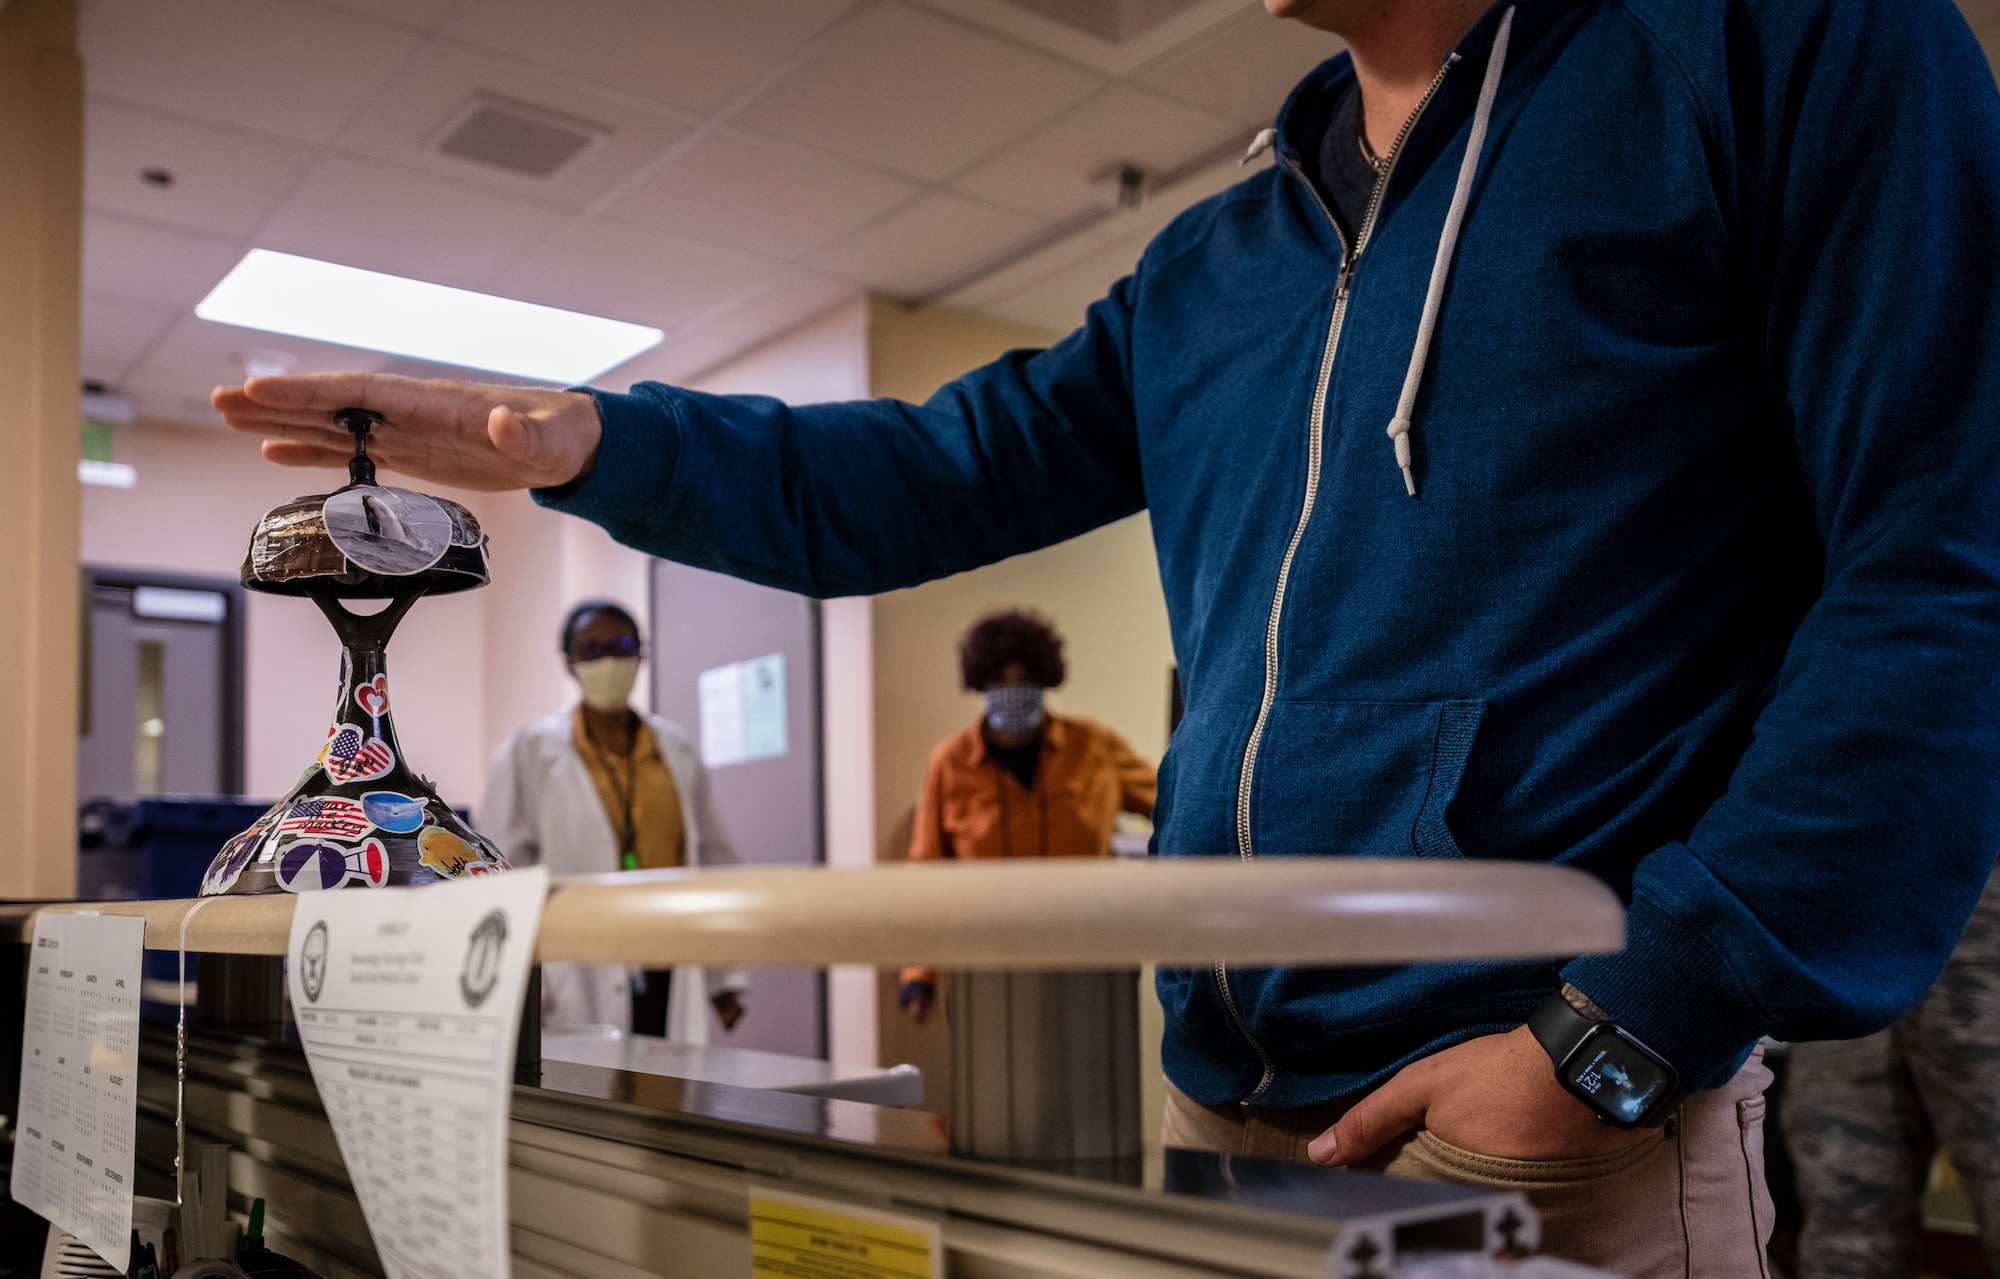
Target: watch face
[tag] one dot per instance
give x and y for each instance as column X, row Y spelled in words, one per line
column 1618, row 1075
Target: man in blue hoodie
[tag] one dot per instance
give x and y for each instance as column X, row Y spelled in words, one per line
column 1580, row 446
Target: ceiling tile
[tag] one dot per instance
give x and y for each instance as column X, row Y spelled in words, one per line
column 747, row 192
column 696, row 54
column 174, row 396
column 916, row 93
column 1242, row 70
column 758, row 315
column 270, row 65
column 143, row 263
column 419, row 15
column 607, row 268
column 1058, row 302
column 224, row 181
column 203, row 354
column 382, row 219
column 1058, row 172
column 116, row 333
column 407, row 117
column 1062, row 27
column 919, row 248
column 174, row 379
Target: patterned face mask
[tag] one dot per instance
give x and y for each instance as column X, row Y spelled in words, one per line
column 1014, row 710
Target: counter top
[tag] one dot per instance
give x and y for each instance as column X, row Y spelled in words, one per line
column 1025, row 914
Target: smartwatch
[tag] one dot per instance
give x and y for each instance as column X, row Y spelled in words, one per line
column 1625, row 1083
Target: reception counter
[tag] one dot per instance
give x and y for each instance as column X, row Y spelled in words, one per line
column 619, row 1172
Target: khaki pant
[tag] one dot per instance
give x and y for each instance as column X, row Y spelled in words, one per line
column 1688, row 1201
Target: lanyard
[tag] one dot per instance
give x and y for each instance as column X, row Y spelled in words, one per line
column 628, row 853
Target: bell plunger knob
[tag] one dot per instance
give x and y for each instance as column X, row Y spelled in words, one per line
column 360, row 469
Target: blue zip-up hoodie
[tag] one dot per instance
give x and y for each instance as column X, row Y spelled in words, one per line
column 1700, row 590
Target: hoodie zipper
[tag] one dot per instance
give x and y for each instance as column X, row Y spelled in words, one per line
column 1349, row 256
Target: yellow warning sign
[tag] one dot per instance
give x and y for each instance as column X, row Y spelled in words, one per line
column 795, row 1236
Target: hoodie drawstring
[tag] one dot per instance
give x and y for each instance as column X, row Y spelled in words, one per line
column 1399, row 428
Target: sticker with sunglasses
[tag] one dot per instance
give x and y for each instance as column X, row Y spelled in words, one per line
column 314, row 865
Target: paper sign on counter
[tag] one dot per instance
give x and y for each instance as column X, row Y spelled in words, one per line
column 408, row 1001
column 805, row 1237
column 80, row 1078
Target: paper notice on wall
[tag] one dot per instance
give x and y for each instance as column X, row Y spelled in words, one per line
column 408, row 1002
column 80, row 1078
column 721, row 691
column 743, row 711
column 806, row 1237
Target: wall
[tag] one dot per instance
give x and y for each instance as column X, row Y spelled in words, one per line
column 1103, row 592
column 1101, row 589
column 41, row 228
column 200, row 493
column 542, row 564
column 827, row 359
column 466, row 668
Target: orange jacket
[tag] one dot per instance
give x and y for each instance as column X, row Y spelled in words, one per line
column 971, row 806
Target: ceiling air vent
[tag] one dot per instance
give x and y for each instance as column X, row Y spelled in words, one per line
column 1113, row 20
column 517, row 137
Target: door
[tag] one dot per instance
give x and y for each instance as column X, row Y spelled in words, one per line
column 737, row 666
column 161, row 701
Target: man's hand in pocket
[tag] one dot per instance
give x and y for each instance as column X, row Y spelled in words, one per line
column 1496, row 1096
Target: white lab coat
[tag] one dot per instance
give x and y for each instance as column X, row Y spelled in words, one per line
column 541, row 808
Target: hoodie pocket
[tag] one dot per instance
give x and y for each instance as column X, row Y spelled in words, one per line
column 1365, row 779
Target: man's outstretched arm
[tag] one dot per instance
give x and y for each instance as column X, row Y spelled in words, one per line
column 825, row 499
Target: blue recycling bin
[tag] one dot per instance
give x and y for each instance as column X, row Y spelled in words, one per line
column 176, row 840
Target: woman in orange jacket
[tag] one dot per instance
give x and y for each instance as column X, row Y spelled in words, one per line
column 1021, row 782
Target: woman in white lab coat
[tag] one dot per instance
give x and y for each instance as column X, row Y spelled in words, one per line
column 601, row 786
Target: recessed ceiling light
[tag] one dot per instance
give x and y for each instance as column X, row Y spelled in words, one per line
column 305, row 298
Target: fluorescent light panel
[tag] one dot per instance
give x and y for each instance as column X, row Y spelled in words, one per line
column 305, row 298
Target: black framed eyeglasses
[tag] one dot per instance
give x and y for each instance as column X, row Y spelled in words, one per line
column 586, row 649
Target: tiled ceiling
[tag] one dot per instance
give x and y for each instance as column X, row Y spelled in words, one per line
column 1051, row 287
column 756, row 162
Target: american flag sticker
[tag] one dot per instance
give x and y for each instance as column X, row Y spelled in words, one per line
column 330, row 815
column 351, row 755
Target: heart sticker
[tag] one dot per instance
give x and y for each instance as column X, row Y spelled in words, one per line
column 351, row 755
column 373, row 697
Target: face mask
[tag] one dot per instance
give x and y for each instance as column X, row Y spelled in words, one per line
column 1014, row 710
column 607, row 682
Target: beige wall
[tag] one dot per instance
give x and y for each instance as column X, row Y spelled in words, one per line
column 825, row 359
column 466, row 668
column 41, row 227
column 1103, row 592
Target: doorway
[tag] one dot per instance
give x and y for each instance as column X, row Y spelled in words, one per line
column 162, row 687
column 737, row 665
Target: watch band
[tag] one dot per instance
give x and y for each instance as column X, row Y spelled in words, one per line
column 1559, row 1027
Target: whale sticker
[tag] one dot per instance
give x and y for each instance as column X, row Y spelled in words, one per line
column 396, row 813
